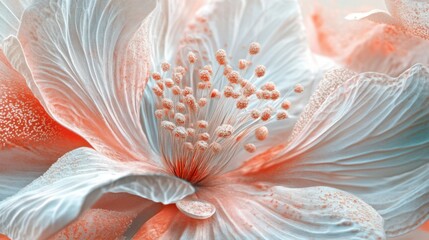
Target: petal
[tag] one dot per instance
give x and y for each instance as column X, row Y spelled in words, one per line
column 10, row 16
column 30, row 140
column 364, row 46
column 97, row 224
column 376, row 15
column 249, row 212
column 412, row 14
column 90, row 69
column 73, row 184
column 369, row 137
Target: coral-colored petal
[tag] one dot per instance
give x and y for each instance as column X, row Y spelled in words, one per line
column 30, row 140
column 369, row 137
column 364, row 46
column 90, row 69
column 97, row 224
column 73, row 184
column 250, row 212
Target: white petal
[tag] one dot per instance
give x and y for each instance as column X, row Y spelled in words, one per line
column 74, row 184
column 249, row 212
column 376, row 15
column 370, row 137
column 10, row 16
column 90, row 69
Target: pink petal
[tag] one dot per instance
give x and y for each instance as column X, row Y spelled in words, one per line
column 90, row 69
column 367, row 135
column 251, row 212
column 364, row 46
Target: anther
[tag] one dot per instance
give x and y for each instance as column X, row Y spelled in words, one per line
column 227, row 70
column 176, row 90
column 215, row 93
column 191, row 132
column 266, row 114
column 208, row 68
column 180, row 107
column 275, row 94
column 167, row 103
column 242, row 103
column 281, row 115
column 224, row 131
column 204, row 75
column 177, row 77
column 201, row 145
column 286, row 104
column 255, row 114
column 204, row 136
column 261, row 133
column 180, row 69
column 249, row 147
column 242, row 64
column 270, row 86
column 233, row 77
column 202, row 102
column 168, row 125
column 179, row 118
column 228, row 91
column 221, row 57
column 165, row 66
column 249, row 90
column 156, row 76
column 158, row 91
column 299, row 88
column 235, row 95
column 260, row 71
column 202, row 124
column 192, row 58
column 159, row 114
column 180, row 132
column 191, row 102
column 254, row 48
column 169, row 82
column 187, row 91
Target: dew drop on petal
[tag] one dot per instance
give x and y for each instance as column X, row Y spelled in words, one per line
column 196, row 208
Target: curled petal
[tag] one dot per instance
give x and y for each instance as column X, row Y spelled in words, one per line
column 75, row 183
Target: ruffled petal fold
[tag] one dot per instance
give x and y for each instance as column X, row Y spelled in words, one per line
column 263, row 212
column 369, row 137
column 90, row 69
column 75, row 183
column 30, row 140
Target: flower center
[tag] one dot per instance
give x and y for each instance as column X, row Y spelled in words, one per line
column 205, row 116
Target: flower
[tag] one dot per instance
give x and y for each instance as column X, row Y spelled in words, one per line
column 206, row 135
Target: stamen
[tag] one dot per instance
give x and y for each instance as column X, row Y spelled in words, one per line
column 261, row 133
column 221, row 57
column 165, row 66
column 192, row 58
column 299, row 88
column 254, row 48
column 260, row 71
column 201, row 127
column 250, row 147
